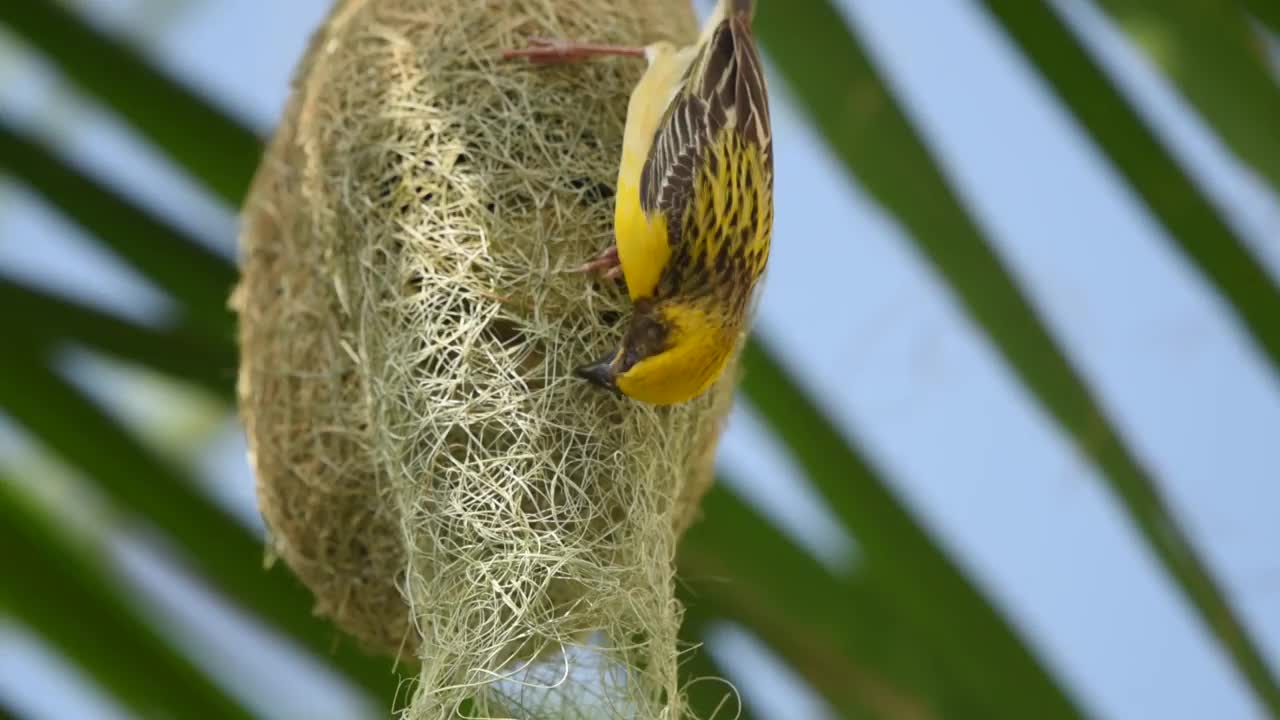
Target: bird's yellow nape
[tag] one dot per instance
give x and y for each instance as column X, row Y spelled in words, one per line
column 697, row 348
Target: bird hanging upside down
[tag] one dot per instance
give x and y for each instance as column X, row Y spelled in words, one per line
column 694, row 205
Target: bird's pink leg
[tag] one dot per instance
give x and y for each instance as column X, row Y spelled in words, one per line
column 606, row 263
column 551, row 50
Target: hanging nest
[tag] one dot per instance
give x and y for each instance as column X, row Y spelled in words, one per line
column 410, row 317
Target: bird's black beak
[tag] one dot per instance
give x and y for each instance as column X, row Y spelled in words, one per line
column 600, row 373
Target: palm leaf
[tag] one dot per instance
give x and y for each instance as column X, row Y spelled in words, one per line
column 48, row 581
column 175, row 352
column 1188, row 217
column 902, row 556
column 140, row 484
column 1219, row 63
column 189, row 129
column 834, row 631
column 872, row 136
column 1265, row 12
column 197, row 277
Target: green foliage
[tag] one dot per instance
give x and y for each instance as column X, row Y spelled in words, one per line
column 1191, row 221
column 142, row 486
column 219, row 152
column 60, row 582
column 1265, row 12
column 879, row 146
column 904, row 562
column 196, row 277
column 1198, row 45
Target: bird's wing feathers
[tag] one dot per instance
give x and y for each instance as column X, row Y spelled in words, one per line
column 724, row 90
column 671, row 168
column 691, row 121
column 751, row 98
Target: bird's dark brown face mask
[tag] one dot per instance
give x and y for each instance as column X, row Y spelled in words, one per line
column 646, row 337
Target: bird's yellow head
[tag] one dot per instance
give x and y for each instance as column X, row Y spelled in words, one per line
column 672, row 352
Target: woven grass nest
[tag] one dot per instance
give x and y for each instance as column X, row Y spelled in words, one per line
column 426, row 462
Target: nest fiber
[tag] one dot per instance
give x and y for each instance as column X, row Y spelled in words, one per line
column 410, row 318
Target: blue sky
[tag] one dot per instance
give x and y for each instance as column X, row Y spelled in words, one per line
column 875, row 334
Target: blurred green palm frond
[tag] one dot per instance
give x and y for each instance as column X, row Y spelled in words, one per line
column 904, row 634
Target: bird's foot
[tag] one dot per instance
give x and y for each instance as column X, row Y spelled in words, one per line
column 606, row 263
column 547, row 51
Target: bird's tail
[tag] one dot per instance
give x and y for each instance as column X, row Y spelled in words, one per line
column 724, row 10
column 730, row 8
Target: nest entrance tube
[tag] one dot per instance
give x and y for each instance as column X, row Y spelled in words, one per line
column 426, row 461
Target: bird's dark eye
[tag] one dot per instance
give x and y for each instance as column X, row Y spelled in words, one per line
column 647, row 336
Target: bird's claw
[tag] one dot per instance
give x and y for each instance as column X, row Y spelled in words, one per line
column 606, row 263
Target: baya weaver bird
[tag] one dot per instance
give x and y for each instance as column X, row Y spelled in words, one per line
column 694, row 205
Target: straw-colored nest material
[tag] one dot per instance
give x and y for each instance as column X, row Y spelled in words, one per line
column 409, row 322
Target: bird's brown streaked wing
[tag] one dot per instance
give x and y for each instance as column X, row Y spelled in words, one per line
column 724, row 88
column 751, row 97
column 667, row 181
column 729, row 76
